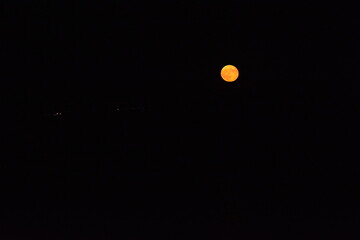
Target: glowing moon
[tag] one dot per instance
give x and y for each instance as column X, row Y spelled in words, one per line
column 229, row 73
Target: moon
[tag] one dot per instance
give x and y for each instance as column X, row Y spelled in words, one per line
column 229, row 73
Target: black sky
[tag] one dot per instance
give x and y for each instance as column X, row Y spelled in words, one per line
column 152, row 143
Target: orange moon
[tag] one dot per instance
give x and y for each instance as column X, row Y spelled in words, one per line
column 229, row 73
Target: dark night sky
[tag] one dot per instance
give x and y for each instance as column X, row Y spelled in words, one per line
column 152, row 143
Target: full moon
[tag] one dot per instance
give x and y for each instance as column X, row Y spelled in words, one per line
column 229, row 73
